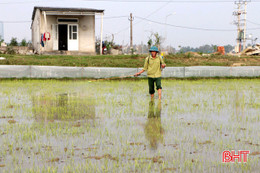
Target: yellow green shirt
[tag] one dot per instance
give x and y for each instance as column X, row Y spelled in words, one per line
column 153, row 68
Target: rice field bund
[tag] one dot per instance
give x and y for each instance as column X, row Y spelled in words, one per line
column 113, row 126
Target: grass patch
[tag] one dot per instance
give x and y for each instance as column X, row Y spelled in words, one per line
column 133, row 61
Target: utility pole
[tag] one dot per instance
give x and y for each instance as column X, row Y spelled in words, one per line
column 131, row 32
column 241, row 12
column 1, row 30
column 101, row 35
column 244, row 45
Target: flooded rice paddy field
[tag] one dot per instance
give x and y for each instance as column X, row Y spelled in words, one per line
column 113, row 126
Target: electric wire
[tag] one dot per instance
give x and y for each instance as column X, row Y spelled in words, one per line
column 27, row 2
column 171, row 1
column 193, row 28
column 15, row 21
column 150, row 14
column 253, row 22
column 132, row 1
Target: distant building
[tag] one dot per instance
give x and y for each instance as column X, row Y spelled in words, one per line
column 55, row 30
column 1, row 30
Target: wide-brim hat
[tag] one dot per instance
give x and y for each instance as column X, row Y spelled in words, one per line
column 153, row 49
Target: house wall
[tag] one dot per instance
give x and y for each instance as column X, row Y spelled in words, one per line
column 36, row 37
column 50, row 20
column 86, row 32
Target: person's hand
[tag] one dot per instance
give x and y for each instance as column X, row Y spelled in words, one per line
column 137, row 74
column 163, row 65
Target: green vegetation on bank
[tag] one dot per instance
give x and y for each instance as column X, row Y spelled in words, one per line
column 176, row 60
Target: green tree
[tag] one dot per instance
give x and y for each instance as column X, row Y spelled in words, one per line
column 1, row 40
column 23, row 42
column 13, row 42
column 228, row 48
column 157, row 39
column 150, row 41
column 215, row 47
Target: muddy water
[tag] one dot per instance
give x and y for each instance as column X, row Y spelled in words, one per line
column 113, row 126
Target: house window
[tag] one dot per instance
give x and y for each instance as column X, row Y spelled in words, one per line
column 73, row 32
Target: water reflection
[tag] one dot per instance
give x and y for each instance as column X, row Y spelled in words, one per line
column 239, row 106
column 153, row 127
column 63, row 106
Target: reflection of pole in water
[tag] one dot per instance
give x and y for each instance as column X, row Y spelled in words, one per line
column 62, row 99
column 153, row 127
column 239, row 104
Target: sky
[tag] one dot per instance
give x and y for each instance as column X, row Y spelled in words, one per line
column 149, row 17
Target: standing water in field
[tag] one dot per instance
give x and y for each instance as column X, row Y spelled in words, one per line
column 113, row 126
column 64, row 106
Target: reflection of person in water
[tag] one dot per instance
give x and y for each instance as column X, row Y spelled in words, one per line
column 153, row 127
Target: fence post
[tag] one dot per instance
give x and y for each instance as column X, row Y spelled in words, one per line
column 30, row 69
column 82, row 68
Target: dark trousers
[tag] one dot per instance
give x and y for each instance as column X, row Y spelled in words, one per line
column 151, row 82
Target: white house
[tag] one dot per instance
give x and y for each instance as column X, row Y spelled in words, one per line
column 59, row 30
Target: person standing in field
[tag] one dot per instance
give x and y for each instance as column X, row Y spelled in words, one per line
column 153, row 65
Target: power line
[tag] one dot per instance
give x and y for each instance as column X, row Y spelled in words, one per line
column 155, row 11
column 166, row 5
column 150, row 14
column 193, row 28
column 27, row 2
column 113, row 17
column 252, row 22
column 132, row 1
column 22, row 2
column 177, row 26
column 15, row 21
column 171, row 1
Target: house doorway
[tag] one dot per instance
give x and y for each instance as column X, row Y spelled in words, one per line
column 73, row 41
column 63, row 37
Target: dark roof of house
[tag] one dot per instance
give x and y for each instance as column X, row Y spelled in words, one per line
column 65, row 9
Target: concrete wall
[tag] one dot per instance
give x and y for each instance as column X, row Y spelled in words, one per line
column 22, row 50
column 20, row 71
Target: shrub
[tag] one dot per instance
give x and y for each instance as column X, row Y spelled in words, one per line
column 24, row 42
column 10, row 50
column 13, row 42
column 1, row 40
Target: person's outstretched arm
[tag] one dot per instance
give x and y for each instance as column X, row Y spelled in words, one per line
column 144, row 69
column 139, row 73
